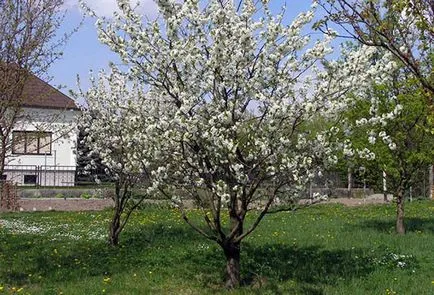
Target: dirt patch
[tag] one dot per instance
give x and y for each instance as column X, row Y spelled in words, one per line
column 79, row 204
column 69, row 204
column 356, row 202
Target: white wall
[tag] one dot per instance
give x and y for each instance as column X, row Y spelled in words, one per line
column 62, row 124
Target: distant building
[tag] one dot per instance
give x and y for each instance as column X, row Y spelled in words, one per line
column 44, row 138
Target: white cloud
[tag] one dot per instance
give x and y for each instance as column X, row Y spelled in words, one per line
column 107, row 7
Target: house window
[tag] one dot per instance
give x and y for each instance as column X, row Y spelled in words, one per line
column 30, row 179
column 31, row 143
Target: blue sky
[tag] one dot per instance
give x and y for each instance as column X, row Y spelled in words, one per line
column 84, row 52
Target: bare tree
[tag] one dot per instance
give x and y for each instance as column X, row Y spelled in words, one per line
column 28, row 46
column 405, row 28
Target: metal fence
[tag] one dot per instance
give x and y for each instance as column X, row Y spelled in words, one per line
column 333, row 183
column 365, row 182
column 40, row 175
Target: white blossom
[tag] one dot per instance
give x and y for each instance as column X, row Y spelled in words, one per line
column 229, row 96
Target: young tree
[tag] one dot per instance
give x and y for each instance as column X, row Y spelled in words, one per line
column 235, row 88
column 28, row 45
column 405, row 29
column 399, row 140
column 111, row 118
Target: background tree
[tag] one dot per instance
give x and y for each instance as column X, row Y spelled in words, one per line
column 386, row 130
column 399, row 140
column 405, row 29
column 236, row 87
column 89, row 165
column 28, row 45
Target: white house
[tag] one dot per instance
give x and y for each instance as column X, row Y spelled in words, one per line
column 43, row 150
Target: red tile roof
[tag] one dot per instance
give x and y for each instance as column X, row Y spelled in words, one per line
column 37, row 93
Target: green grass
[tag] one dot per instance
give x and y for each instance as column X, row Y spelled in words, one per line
column 328, row 249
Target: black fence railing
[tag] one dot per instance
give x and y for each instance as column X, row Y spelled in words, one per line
column 40, row 175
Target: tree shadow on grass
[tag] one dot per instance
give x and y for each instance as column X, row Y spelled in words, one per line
column 69, row 260
column 412, row 224
column 181, row 252
column 307, row 264
column 308, row 268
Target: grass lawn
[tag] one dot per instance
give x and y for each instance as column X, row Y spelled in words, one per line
column 327, row 249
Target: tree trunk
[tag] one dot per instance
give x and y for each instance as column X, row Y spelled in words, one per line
column 232, row 248
column 2, row 168
column 400, row 228
column 115, row 229
column 232, row 253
